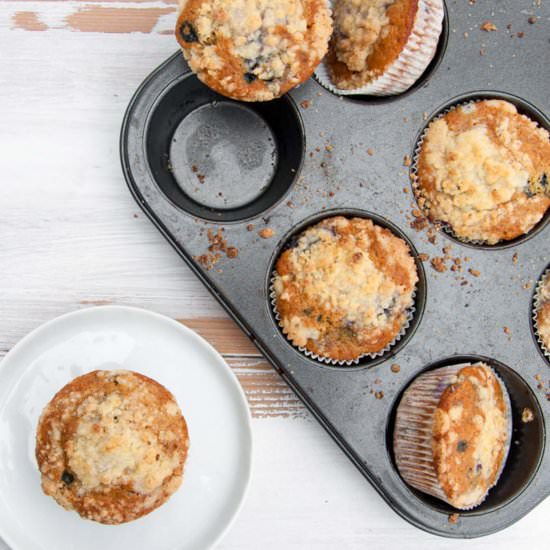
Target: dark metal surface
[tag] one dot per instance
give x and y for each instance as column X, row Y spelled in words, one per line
column 336, row 173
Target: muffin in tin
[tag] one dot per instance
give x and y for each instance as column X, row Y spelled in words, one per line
column 254, row 50
column 111, row 445
column 382, row 46
column 344, row 288
column 482, row 170
column 542, row 312
column 452, row 433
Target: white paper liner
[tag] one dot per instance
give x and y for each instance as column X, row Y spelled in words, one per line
column 328, row 360
column 412, row 438
column 446, row 227
column 413, row 60
column 537, row 304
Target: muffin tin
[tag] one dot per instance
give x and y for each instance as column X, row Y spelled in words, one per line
column 285, row 164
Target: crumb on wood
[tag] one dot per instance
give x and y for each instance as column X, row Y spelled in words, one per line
column 266, row 233
column 407, row 160
column 306, row 103
column 379, row 394
column 370, row 152
column 395, row 368
column 250, row 227
column 506, row 330
column 527, row 415
column 515, row 258
column 474, row 272
column 532, row 19
column 423, row 257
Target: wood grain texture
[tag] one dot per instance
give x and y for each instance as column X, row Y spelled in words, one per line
column 71, row 237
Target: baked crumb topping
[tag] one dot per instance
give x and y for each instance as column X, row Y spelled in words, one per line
column 111, row 445
column 359, row 24
column 254, row 49
column 483, row 170
column 343, row 287
column 470, row 435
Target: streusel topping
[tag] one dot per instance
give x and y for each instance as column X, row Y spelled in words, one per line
column 483, row 170
column 344, row 286
column 254, row 49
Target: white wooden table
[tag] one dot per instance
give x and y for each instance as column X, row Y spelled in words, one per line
column 72, row 237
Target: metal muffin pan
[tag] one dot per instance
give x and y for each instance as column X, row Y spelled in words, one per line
column 309, row 156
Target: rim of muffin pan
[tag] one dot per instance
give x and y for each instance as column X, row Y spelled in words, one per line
column 421, row 82
column 185, row 96
column 524, row 107
column 527, row 445
column 419, row 299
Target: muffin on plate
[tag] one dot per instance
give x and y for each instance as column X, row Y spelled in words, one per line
column 253, row 50
column 111, row 445
column 452, row 433
column 344, row 288
column 482, row 172
column 381, row 47
column 542, row 312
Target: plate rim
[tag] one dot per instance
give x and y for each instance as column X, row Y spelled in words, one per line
column 182, row 327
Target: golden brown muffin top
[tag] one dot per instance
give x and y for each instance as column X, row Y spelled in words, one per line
column 343, row 288
column 254, row 50
column 470, row 435
column 111, row 445
column 368, row 36
column 482, row 169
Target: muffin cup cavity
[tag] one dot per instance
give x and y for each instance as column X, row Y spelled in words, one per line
column 420, row 56
column 411, row 453
column 413, row 313
column 220, row 159
column 523, row 108
column 537, row 304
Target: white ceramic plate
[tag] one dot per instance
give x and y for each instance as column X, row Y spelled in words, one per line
column 218, row 468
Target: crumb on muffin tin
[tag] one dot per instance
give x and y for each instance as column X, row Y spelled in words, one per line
column 111, row 445
column 344, row 288
column 482, row 171
column 254, row 50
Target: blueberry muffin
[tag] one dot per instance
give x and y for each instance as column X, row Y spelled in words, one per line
column 344, row 288
column 254, row 50
column 111, row 445
column 396, row 39
column 482, row 171
column 452, row 433
column 543, row 312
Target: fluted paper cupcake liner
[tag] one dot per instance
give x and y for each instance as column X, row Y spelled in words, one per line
column 412, row 438
column 328, row 360
column 537, row 304
column 413, row 60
